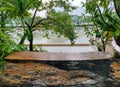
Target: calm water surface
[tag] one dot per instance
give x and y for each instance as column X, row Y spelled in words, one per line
column 53, row 39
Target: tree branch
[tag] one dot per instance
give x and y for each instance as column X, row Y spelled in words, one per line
column 101, row 15
column 35, row 12
column 115, row 5
column 38, row 22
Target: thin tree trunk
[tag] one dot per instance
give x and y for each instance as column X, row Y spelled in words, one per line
column 116, row 4
column 31, row 39
column 31, row 44
column 22, row 39
column 24, row 36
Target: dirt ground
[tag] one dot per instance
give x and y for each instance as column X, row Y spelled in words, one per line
column 57, row 74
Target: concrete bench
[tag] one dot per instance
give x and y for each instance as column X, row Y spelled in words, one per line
column 49, row 56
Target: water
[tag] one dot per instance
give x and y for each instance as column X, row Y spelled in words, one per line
column 53, row 39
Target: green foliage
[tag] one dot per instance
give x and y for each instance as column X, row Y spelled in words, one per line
column 64, row 26
column 17, row 7
column 7, row 45
column 20, row 8
column 105, row 19
column 2, row 62
column 61, row 23
column 98, row 37
column 65, row 4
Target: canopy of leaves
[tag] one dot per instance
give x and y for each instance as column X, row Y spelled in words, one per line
column 20, row 8
column 61, row 23
column 103, row 14
column 104, row 18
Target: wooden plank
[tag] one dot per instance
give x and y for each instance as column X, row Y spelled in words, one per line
column 49, row 56
column 59, row 45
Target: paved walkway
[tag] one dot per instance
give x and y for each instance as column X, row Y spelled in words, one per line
column 49, row 56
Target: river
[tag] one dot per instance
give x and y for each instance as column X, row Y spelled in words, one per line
column 53, row 39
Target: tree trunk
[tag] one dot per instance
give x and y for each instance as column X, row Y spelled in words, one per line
column 31, row 44
column 31, row 40
column 22, row 39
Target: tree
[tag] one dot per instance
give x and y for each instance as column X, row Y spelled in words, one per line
column 17, row 8
column 7, row 45
column 104, row 16
column 21, row 7
column 62, row 24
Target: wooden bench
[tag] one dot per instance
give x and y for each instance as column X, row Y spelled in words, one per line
column 49, row 56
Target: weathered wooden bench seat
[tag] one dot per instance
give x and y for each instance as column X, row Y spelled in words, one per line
column 49, row 56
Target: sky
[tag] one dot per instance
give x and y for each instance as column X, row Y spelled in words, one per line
column 78, row 11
